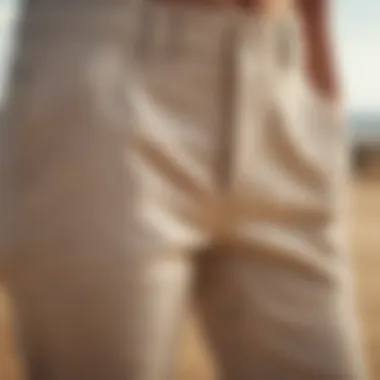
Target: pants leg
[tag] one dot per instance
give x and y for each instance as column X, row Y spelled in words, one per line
column 97, row 291
column 265, row 320
column 276, row 301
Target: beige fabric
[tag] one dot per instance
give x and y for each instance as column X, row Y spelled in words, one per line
column 234, row 150
column 162, row 147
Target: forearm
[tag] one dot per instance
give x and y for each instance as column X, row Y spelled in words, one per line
column 320, row 57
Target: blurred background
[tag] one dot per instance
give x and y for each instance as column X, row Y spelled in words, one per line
column 357, row 35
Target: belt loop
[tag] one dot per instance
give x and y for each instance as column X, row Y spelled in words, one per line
column 288, row 43
column 177, row 26
column 145, row 29
column 229, row 55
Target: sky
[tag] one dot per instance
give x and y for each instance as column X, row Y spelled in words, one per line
column 357, row 39
column 357, row 36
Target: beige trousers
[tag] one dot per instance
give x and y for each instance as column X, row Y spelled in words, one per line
column 156, row 154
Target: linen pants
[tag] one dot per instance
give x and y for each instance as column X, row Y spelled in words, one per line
column 156, row 154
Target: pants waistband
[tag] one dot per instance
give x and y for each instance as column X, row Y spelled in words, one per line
column 150, row 24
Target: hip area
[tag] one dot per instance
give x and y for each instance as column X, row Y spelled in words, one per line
column 226, row 95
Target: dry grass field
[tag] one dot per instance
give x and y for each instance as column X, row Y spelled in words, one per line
column 192, row 360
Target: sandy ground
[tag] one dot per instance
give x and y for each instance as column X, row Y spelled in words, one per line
column 193, row 360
